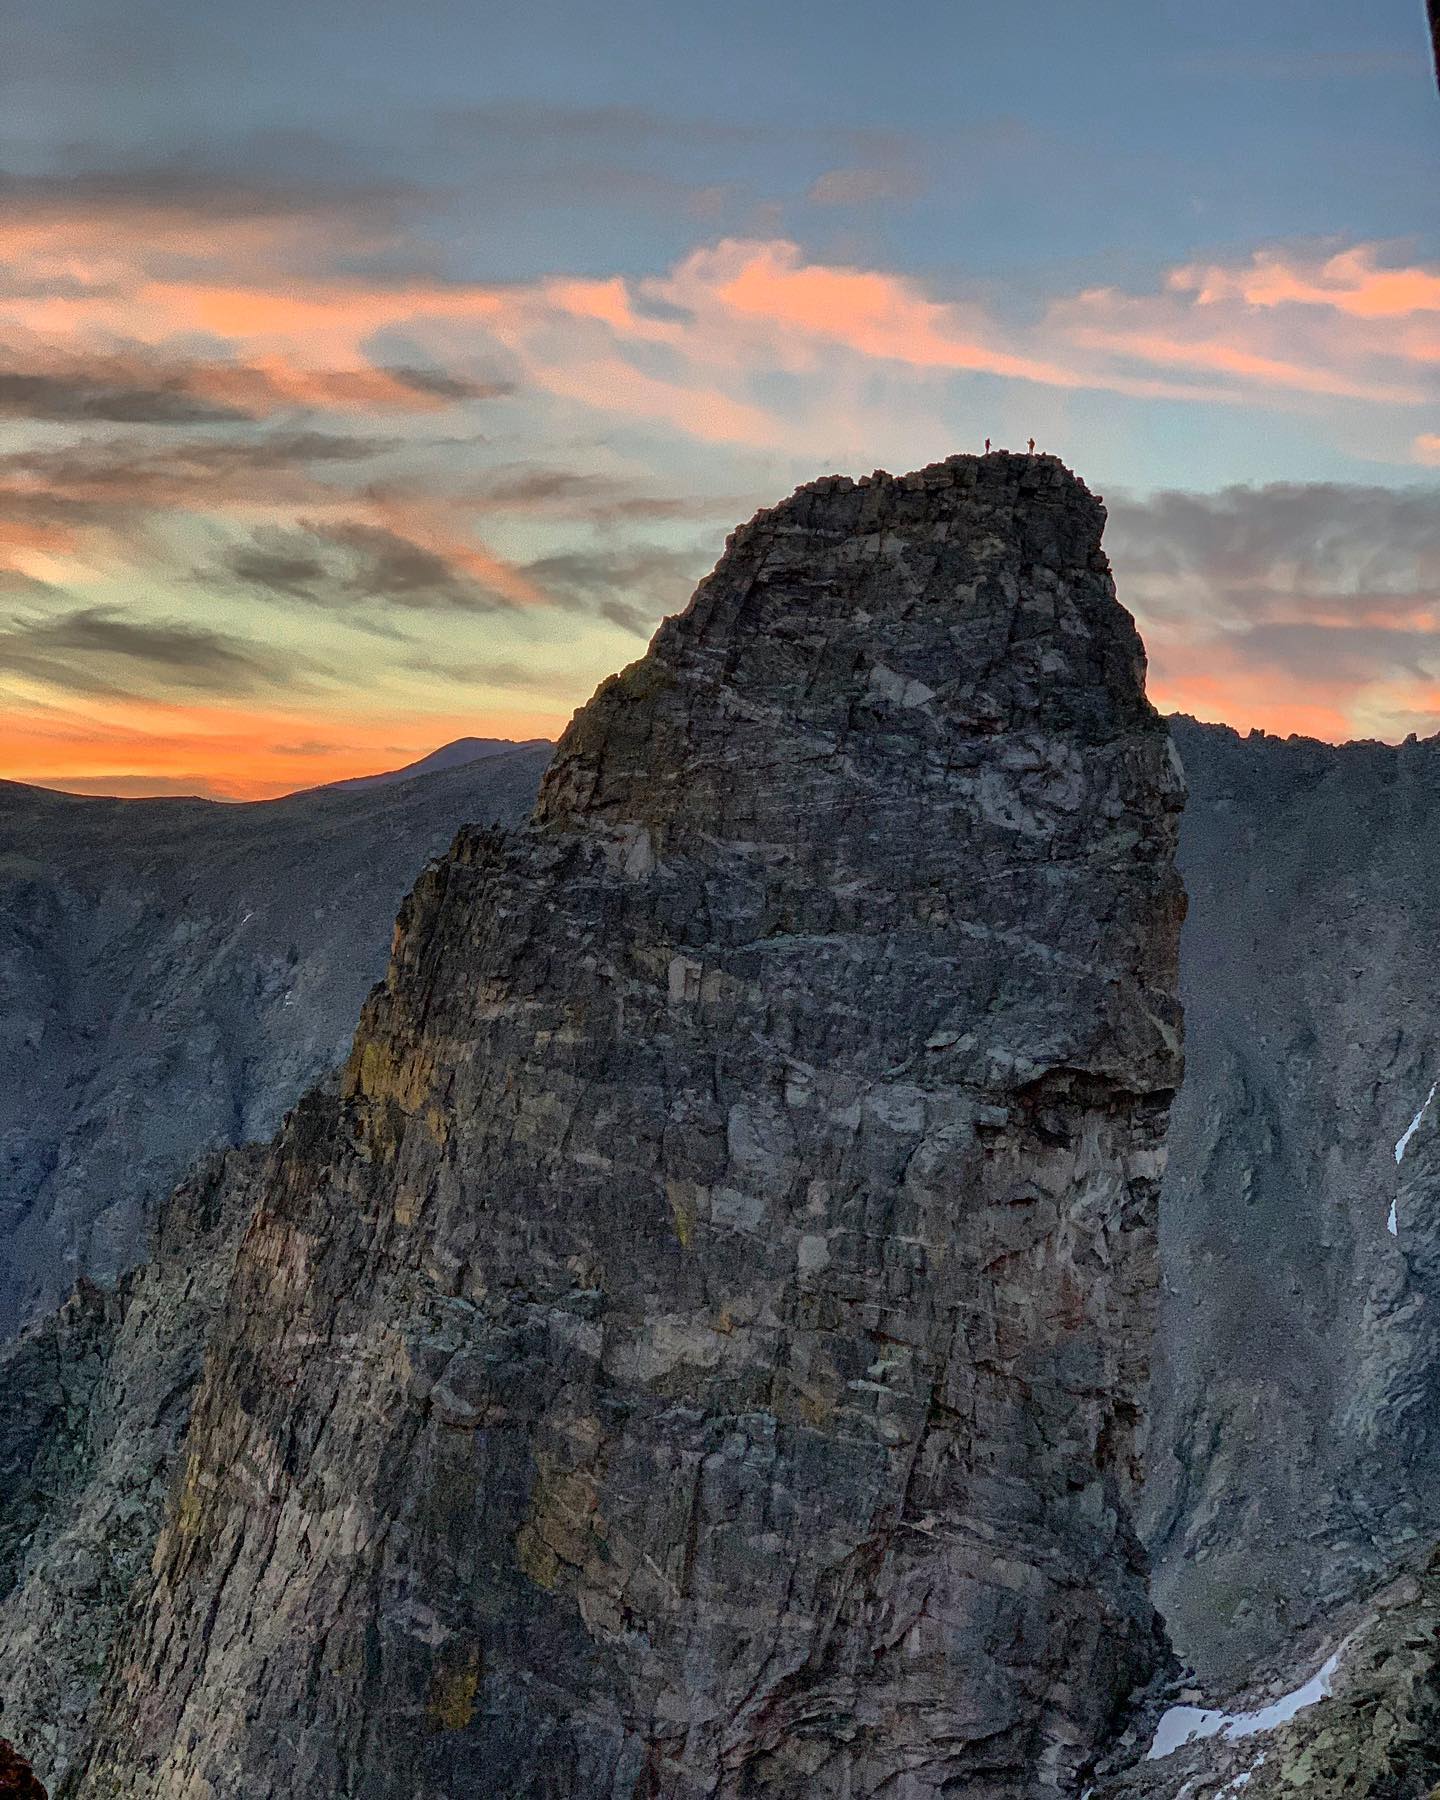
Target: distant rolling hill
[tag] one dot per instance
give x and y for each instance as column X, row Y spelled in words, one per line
column 174, row 973
column 448, row 756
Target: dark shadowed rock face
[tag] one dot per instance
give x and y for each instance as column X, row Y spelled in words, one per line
column 17, row 1778
column 1295, row 1450
column 173, row 975
column 94, row 1402
column 700, row 1353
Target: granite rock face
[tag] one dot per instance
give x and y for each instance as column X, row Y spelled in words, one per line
column 173, row 975
column 701, row 1349
column 1295, row 1449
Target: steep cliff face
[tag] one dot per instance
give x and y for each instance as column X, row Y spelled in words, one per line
column 173, row 975
column 93, row 1407
column 701, row 1350
column 1295, row 1452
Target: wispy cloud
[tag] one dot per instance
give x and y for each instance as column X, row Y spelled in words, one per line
column 632, row 588
column 59, row 382
column 98, row 650
column 115, row 396
column 696, row 350
column 103, row 499
column 864, row 187
column 1350, row 281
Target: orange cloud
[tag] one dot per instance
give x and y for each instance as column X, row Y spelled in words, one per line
column 88, row 232
column 433, row 526
column 269, row 382
column 876, row 314
column 1234, row 359
column 1348, row 282
column 1210, row 681
column 689, row 351
column 1271, row 325
column 328, row 318
column 749, row 301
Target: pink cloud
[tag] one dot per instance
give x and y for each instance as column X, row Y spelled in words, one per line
column 695, row 350
column 1349, row 282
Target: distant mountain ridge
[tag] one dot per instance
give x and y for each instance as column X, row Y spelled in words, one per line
column 453, row 755
column 175, row 972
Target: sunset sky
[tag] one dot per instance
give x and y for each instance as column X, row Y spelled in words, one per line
column 374, row 375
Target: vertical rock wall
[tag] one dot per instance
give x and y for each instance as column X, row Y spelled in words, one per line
column 1295, row 1459
column 701, row 1352
column 93, row 1406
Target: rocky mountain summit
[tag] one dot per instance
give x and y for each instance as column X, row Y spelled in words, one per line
column 1289, row 1505
column 700, row 1347
column 173, row 975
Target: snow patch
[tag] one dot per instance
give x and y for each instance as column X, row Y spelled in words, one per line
column 1390, row 1224
column 1414, row 1124
column 1189, row 1724
column 1242, row 1780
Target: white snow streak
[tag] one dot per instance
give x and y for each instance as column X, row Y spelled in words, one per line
column 1189, row 1724
column 1414, row 1124
column 1242, row 1780
column 1390, row 1224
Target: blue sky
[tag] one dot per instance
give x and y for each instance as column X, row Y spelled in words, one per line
column 378, row 374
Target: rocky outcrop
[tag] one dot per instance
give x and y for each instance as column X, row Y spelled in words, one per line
column 93, row 1408
column 1296, row 1445
column 701, row 1349
column 1351, row 1712
column 173, row 975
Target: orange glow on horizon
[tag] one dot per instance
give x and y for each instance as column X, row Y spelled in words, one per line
column 230, row 753
column 135, row 748
column 1248, row 700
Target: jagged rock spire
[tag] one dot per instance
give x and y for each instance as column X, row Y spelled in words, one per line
column 701, row 1351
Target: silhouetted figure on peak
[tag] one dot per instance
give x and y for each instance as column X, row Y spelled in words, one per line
column 987, row 446
column 1032, row 446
